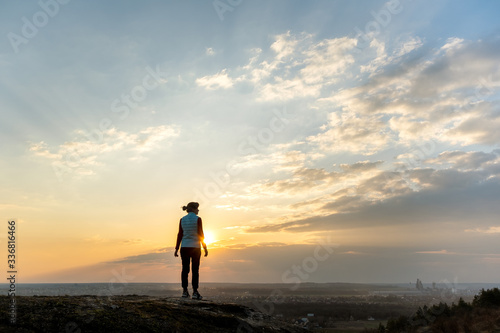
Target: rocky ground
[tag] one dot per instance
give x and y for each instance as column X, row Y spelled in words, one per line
column 132, row 313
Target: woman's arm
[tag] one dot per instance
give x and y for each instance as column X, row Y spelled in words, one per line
column 179, row 239
column 201, row 235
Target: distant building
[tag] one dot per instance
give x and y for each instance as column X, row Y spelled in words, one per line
column 419, row 285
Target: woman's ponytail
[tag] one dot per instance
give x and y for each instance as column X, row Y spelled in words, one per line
column 191, row 206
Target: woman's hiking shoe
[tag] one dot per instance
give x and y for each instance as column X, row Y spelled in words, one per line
column 196, row 295
column 185, row 294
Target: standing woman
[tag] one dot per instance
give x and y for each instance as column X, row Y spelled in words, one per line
column 191, row 235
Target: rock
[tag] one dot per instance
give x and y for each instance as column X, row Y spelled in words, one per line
column 132, row 313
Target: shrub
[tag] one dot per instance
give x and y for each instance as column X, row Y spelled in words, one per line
column 398, row 325
column 487, row 298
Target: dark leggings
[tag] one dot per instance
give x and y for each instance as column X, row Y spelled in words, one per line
column 188, row 254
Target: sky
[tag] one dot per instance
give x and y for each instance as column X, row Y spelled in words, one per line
column 326, row 141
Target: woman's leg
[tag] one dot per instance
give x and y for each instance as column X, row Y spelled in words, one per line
column 185, row 256
column 196, row 254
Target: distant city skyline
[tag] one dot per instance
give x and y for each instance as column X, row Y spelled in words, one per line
column 326, row 141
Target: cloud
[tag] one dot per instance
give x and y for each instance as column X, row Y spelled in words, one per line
column 408, row 46
column 465, row 161
column 449, row 96
column 298, row 67
column 281, row 158
column 452, row 45
column 286, row 89
column 426, row 196
column 361, row 166
column 98, row 239
column 209, row 51
column 354, row 253
column 384, row 59
column 305, row 179
column 283, row 46
column 490, row 230
column 350, row 132
column 41, row 149
column 409, row 93
column 325, row 62
column 458, row 68
column 491, row 260
column 82, row 155
column 436, row 252
column 478, row 127
column 217, row 81
column 291, row 178
column 161, row 256
column 302, row 179
column 151, row 137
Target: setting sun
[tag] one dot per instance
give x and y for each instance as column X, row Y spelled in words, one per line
column 209, row 237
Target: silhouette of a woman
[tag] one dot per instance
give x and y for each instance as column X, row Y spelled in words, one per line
column 190, row 235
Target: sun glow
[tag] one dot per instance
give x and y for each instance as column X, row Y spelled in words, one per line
column 209, row 237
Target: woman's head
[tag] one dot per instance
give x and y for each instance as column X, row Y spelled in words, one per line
column 191, row 207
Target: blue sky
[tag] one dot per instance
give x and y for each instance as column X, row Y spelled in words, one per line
column 368, row 125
